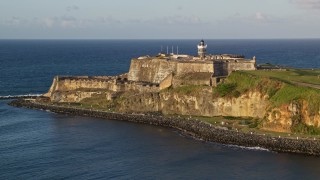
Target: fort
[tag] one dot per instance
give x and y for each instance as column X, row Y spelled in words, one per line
column 160, row 89
column 153, row 74
column 206, row 85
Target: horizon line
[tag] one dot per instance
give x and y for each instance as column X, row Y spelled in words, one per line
column 104, row 39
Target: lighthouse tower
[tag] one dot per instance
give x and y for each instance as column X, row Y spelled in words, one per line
column 202, row 49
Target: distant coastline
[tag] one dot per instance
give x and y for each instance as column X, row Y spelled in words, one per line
column 195, row 128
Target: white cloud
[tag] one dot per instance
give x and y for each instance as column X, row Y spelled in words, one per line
column 67, row 22
column 177, row 20
column 72, row 8
column 63, row 21
column 307, row 4
column 260, row 16
column 256, row 18
column 49, row 22
column 107, row 20
column 16, row 21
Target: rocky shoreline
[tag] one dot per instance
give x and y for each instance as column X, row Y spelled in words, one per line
column 195, row 128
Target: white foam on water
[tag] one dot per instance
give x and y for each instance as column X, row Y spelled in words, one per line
column 18, row 96
column 249, row 148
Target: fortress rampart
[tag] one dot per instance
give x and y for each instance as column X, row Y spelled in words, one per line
column 77, row 88
column 156, row 70
column 151, row 70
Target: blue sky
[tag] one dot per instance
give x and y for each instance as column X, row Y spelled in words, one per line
column 159, row 19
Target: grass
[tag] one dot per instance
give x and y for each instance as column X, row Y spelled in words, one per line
column 288, row 93
column 248, row 125
column 304, row 129
column 241, row 82
column 225, row 89
column 242, row 124
column 186, row 89
column 291, row 75
column 97, row 101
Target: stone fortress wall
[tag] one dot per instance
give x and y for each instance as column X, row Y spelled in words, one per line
column 156, row 70
column 152, row 70
column 77, row 88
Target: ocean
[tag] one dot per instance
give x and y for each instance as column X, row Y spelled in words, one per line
column 37, row 144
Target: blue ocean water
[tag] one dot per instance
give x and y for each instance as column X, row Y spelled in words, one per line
column 43, row 145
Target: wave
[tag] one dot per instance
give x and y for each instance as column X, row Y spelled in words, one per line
column 20, row 96
column 184, row 134
column 249, row 148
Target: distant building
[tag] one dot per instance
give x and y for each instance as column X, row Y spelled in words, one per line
column 202, row 50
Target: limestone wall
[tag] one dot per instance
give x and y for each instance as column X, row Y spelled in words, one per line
column 150, row 70
column 224, row 68
column 192, row 78
column 69, row 84
column 77, row 96
column 136, row 86
column 220, row 69
column 156, row 70
column 237, row 66
column 74, row 89
column 167, row 82
column 194, row 66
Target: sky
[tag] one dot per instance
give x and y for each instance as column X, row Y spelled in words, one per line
column 159, row 19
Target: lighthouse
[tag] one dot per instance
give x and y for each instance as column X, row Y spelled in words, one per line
column 202, row 49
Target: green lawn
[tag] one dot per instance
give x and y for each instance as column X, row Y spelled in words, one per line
column 291, row 75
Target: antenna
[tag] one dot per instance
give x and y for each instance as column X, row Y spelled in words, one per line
column 167, row 49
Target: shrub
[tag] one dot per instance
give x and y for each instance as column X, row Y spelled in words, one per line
column 305, row 129
column 254, row 124
column 187, row 89
column 225, row 89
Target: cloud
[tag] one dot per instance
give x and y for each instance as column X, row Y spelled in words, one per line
column 107, row 20
column 16, row 21
column 259, row 16
column 179, row 8
column 307, row 4
column 178, row 20
column 256, row 18
column 265, row 18
column 65, row 22
column 72, row 8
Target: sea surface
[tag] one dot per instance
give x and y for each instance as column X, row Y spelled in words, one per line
column 37, row 144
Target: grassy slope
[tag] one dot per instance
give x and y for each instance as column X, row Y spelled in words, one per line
column 279, row 89
column 291, row 75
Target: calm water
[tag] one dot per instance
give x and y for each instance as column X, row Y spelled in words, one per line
column 43, row 145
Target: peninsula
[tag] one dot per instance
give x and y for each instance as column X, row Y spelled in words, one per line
column 216, row 97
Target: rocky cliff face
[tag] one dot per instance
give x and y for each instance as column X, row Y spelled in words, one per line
column 201, row 103
column 252, row 104
column 283, row 118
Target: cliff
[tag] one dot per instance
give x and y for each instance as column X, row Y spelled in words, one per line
column 200, row 102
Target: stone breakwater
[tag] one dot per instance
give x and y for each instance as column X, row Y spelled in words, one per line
column 195, row 128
